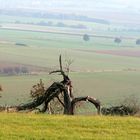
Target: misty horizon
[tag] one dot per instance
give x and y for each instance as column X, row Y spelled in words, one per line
column 119, row 11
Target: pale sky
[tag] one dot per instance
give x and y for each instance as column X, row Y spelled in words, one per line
column 73, row 3
column 135, row 3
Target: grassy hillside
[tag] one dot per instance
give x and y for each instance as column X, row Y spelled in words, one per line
column 45, row 127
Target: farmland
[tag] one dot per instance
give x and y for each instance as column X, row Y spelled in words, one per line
column 101, row 68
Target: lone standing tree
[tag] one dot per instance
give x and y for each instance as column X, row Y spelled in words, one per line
column 138, row 42
column 117, row 40
column 86, row 37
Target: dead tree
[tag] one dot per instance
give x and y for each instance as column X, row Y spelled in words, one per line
column 63, row 88
column 94, row 101
column 53, row 91
column 66, row 80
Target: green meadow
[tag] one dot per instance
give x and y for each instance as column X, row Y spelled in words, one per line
column 108, row 87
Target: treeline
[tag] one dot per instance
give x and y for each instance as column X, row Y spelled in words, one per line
column 60, row 16
column 50, row 23
column 14, row 70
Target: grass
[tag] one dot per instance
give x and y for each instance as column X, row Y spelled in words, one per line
column 108, row 87
column 46, row 127
column 36, row 54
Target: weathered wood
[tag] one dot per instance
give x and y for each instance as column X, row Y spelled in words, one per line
column 53, row 91
column 66, row 80
column 94, row 101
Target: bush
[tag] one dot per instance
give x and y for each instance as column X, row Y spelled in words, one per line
column 129, row 106
column 133, row 103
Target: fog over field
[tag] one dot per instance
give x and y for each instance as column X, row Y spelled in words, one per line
column 122, row 11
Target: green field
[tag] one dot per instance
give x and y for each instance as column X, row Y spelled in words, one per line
column 108, row 87
column 46, row 127
column 110, row 78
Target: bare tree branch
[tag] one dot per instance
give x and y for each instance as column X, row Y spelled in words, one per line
column 60, row 101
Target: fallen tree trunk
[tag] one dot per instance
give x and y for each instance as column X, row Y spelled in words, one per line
column 53, row 91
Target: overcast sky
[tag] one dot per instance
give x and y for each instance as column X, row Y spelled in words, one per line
column 134, row 3
column 74, row 5
column 114, row 10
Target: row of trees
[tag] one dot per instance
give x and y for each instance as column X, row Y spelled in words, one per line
column 50, row 23
column 117, row 40
column 14, row 70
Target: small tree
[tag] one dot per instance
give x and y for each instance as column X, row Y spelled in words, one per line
column 138, row 42
column 86, row 37
column 68, row 62
column 117, row 40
